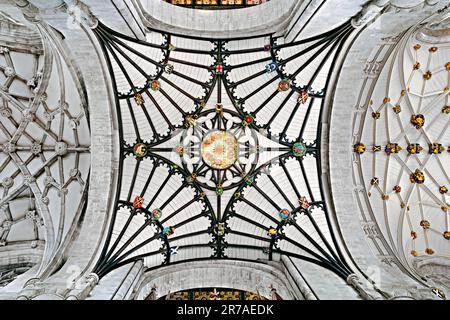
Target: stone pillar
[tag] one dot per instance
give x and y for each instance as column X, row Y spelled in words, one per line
column 293, row 273
column 354, row 282
column 129, row 283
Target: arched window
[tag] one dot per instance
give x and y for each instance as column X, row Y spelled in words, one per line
column 216, row 4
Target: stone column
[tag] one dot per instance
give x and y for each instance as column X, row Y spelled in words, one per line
column 295, row 275
column 129, row 283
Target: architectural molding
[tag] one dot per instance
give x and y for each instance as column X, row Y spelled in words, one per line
column 218, row 23
column 247, row 276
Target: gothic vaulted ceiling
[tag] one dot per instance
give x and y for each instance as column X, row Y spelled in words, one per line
column 222, row 138
column 404, row 144
column 220, row 148
column 44, row 145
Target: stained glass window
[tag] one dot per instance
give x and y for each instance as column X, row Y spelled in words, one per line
column 216, row 4
column 213, row 294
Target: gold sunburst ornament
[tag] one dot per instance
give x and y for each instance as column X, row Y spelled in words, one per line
column 219, row 149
